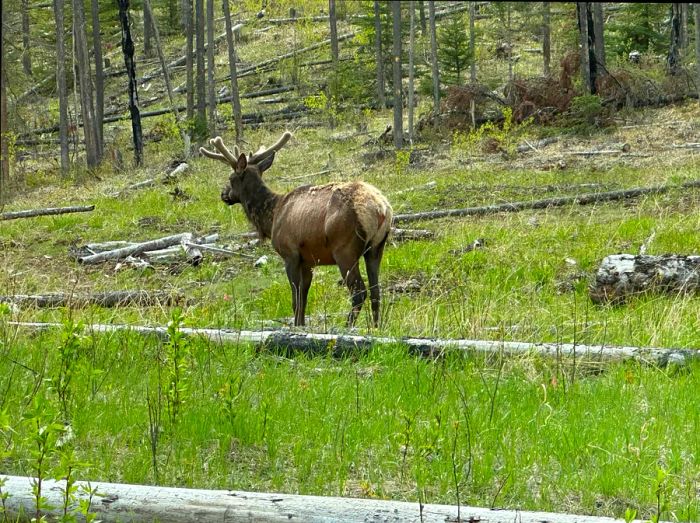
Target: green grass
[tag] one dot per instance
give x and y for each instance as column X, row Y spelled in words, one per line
column 521, row 433
column 528, row 433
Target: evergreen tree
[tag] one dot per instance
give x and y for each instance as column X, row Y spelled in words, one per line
column 454, row 55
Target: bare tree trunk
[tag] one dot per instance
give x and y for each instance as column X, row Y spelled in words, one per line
column 433, row 58
column 421, row 13
column 82, row 65
column 26, row 56
column 334, row 34
column 211, row 86
column 99, row 79
column 396, row 61
column 509, row 34
column 58, row 7
column 128, row 50
column 166, row 74
column 189, row 57
column 4, row 129
column 411, row 46
column 379, row 55
column 582, row 12
column 684, row 26
column 201, row 117
column 172, row 14
column 148, row 24
column 472, row 46
column 185, row 6
column 673, row 59
column 546, row 37
column 235, row 95
column 598, row 23
column 696, row 9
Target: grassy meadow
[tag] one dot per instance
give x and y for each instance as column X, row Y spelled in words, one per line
column 529, row 433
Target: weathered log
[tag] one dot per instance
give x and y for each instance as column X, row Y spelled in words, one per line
column 623, row 275
column 168, row 177
column 132, row 250
column 527, row 146
column 137, row 503
column 218, row 250
column 411, row 234
column 583, row 199
column 103, row 299
column 45, row 212
column 339, row 344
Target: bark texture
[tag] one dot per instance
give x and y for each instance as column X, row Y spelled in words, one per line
column 621, row 276
column 379, row 55
column 103, row 299
column 396, row 66
column 44, row 212
column 58, row 7
column 128, row 50
column 233, row 72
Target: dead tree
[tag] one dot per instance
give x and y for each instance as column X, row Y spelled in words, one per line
column 211, row 85
column 421, row 13
column 396, row 62
column 235, row 95
column 199, row 78
column 58, row 6
column 26, row 42
column 189, row 57
column 434, row 58
column 696, row 9
column 599, row 35
column 148, row 23
column 82, row 72
column 673, row 59
column 99, row 78
column 546, row 37
column 128, row 50
column 4, row 129
column 587, row 49
column 411, row 74
column 379, row 55
column 334, row 34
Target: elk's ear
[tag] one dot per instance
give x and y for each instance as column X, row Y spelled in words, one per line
column 241, row 164
column 265, row 164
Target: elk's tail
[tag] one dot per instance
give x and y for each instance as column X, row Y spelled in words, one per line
column 374, row 213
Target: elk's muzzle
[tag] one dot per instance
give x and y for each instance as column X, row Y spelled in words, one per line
column 226, row 196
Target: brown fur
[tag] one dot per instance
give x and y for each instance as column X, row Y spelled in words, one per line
column 333, row 224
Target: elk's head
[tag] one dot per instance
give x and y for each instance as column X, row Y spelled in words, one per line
column 245, row 170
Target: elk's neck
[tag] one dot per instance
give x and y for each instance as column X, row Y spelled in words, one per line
column 259, row 205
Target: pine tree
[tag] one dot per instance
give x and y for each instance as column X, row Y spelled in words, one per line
column 454, row 56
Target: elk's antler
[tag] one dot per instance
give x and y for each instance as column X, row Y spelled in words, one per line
column 264, row 153
column 224, row 155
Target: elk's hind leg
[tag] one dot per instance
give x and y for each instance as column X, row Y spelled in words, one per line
column 299, row 276
column 350, row 272
column 373, row 259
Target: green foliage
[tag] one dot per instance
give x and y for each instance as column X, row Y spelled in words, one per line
column 402, row 160
column 454, row 55
column 585, row 110
column 176, row 355
column 639, row 26
column 504, row 137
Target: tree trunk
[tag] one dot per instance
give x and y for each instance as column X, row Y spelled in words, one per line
column 99, row 79
column 623, row 275
column 148, row 24
column 684, row 26
column 673, row 60
column 582, row 11
column 546, row 37
column 396, row 61
column 147, row 9
column 235, row 96
column 599, row 32
column 50, row 211
column 211, row 66
column 82, row 66
column 334, row 34
column 421, row 13
column 317, row 343
column 472, row 45
column 172, row 14
column 138, row 248
column 411, row 46
column 433, row 59
column 189, row 57
column 696, row 9
column 201, row 118
column 101, row 299
column 58, row 7
column 26, row 42
column 128, row 50
column 381, row 98
column 4, row 129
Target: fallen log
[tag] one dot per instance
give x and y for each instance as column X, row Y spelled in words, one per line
column 13, row 215
column 166, row 178
column 133, row 503
column 527, row 146
column 132, row 250
column 411, row 234
column 583, row 199
column 103, row 299
column 621, row 276
column 339, row 344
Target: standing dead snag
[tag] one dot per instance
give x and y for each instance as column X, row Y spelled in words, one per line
column 333, row 224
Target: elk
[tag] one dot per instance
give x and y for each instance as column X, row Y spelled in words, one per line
column 332, row 224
